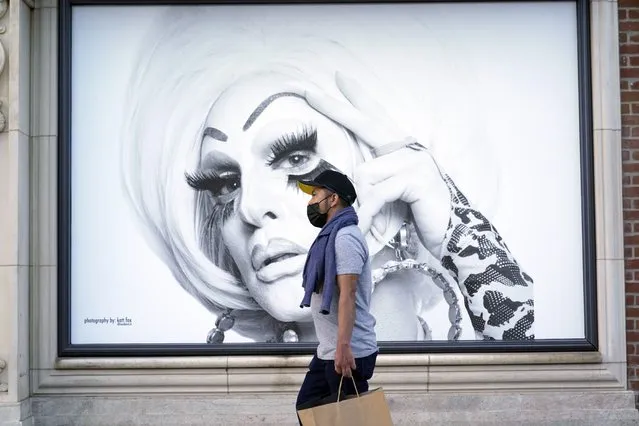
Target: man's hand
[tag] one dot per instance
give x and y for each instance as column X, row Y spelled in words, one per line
column 344, row 360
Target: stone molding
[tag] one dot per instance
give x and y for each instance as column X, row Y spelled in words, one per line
column 425, row 373
column 604, row 370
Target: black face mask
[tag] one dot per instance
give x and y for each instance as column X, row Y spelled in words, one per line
column 316, row 218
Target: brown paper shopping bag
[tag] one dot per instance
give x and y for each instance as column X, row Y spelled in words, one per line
column 366, row 409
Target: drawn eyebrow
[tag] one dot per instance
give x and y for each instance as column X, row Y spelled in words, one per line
column 262, row 106
column 215, row 134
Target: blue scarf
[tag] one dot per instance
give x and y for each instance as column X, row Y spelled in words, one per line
column 320, row 263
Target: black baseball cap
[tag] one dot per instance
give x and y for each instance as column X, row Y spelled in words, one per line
column 333, row 180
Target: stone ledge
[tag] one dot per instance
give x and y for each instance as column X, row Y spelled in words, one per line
column 433, row 378
column 302, row 361
column 557, row 408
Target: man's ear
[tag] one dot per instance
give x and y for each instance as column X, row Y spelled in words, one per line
column 336, row 202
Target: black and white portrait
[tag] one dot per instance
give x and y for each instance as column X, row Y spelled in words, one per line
column 468, row 214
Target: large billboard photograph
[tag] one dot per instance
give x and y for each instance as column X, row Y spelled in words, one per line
column 461, row 126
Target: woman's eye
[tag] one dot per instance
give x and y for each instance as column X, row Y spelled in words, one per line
column 222, row 186
column 227, row 185
column 297, row 160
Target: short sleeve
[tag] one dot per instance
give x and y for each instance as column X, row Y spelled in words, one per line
column 350, row 255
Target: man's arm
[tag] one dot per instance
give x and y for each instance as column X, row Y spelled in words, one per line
column 344, row 360
column 350, row 257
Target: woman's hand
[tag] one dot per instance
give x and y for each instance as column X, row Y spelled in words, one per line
column 405, row 175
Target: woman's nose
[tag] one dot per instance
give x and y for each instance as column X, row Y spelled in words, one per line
column 259, row 201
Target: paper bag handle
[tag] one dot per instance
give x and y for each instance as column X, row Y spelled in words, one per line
column 339, row 389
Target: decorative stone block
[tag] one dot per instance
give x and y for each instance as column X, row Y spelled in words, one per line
column 3, row 386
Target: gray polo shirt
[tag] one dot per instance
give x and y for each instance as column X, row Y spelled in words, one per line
column 351, row 256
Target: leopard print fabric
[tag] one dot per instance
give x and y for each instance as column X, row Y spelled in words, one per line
column 498, row 295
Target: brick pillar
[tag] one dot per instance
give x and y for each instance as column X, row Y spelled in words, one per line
column 629, row 64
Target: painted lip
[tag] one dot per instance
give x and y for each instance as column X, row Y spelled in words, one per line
column 277, row 259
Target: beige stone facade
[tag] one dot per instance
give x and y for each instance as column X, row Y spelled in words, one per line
column 38, row 387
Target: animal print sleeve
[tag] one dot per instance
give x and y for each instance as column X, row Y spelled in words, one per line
column 498, row 294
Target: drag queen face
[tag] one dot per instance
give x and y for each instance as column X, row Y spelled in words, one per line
column 258, row 140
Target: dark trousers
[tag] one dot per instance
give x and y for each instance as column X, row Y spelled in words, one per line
column 321, row 379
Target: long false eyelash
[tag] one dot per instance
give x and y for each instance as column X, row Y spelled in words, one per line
column 304, row 140
column 214, row 212
column 201, row 180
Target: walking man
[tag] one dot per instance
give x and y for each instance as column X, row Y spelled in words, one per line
column 337, row 287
